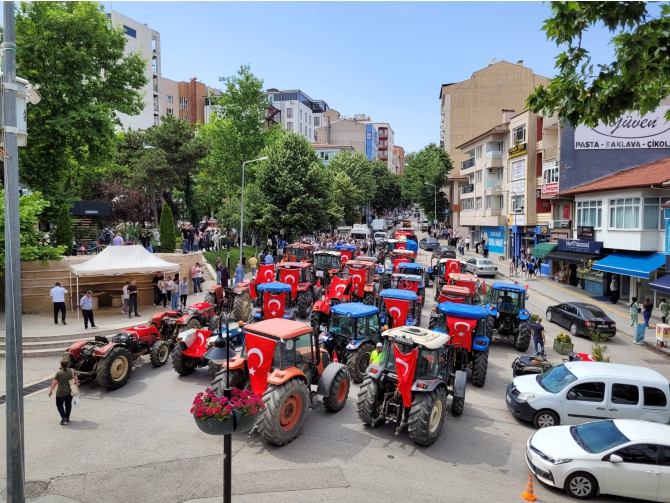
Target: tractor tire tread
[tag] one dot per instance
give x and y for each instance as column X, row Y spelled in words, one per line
column 104, row 376
column 179, row 361
column 330, row 402
column 353, row 359
column 367, row 398
column 480, row 367
column 419, row 416
column 155, row 356
column 274, row 397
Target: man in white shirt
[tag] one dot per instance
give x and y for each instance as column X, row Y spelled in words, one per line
column 58, row 297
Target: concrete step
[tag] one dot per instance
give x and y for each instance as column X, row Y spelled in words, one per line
column 38, row 353
column 60, row 345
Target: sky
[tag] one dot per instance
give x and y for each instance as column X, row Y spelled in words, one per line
column 386, row 60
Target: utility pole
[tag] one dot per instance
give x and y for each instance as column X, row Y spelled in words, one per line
column 13, row 334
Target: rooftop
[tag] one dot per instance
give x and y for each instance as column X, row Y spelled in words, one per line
column 326, row 145
column 500, row 128
column 647, row 175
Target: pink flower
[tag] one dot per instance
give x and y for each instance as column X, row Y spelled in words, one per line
column 200, row 413
column 217, row 409
column 210, row 411
column 192, row 409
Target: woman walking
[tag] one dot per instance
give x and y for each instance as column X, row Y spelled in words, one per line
column 634, row 309
column 64, row 393
column 663, row 306
column 648, row 306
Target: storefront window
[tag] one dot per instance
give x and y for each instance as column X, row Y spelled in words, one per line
column 651, row 214
column 590, row 213
column 625, row 213
column 586, row 272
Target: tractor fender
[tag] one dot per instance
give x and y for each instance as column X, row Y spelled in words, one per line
column 327, row 377
column 428, row 385
column 289, row 314
column 480, row 343
column 303, row 287
column 355, row 343
column 102, row 351
column 323, row 306
column 524, row 314
column 459, row 383
column 75, row 349
column 236, row 363
column 184, row 319
column 158, row 318
column 492, row 310
column 374, row 371
column 281, row 376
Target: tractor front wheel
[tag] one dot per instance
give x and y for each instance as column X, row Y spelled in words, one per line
column 426, row 416
column 339, row 391
column 315, row 321
column 522, row 340
column 432, row 323
column 490, row 327
column 213, row 368
column 386, row 281
column 457, row 405
column 370, row 402
column 183, row 365
column 210, row 298
column 219, row 383
column 358, row 361
column 304, row 304
column 160, row 352
column 426, row 279
column 114, row 368
column 479, row 367
column 242, row 307
column 214, row 322
column 192, row 323
column 436, row 290
column 285, row 411
column 369, row 298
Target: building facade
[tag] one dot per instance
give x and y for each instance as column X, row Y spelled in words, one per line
column 326, row 152
column 398, row 160
column 296, row 111
column 188, row 100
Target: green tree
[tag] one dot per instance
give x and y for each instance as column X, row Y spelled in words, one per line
column 340, row 205
column 387, row 194
column 292, row 185
column 356, row 166
column 167, row 230
column 637, row 79
column 63, row 235
column 73, row 54
column 424, row 170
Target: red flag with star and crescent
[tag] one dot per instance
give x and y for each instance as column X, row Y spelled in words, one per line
column 266, row 274
column 397, row 309
column 339, row 287
column 460, row 331
column 273, row 305
column 404, row 368
column 452, row 266
column 290, row 277
column 260, row 351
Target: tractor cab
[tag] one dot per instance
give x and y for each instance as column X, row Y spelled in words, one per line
column 299, row 276
column 407, row 234
column 348, row 252
column 362, row 274
column 507, row 298
column 338, row 292
column 299, row 252
column 326, row 263
column 265, row 274
column 469, row 281
column 272, row 301
column 457, row 295
column 507, row 314
column 406, row 224
column 400, row 307
column 353, row 330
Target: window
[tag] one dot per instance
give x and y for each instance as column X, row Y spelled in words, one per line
column 300, row 114
column 154, row 44
column 289, row 126
column 170, row 111
column 478, row 203
column 587, row 392
column 301, row 128
column 640, row 454
column 654, row 397
column 517, row 203
column 625, row 213
column 625, row 394
column 154, row 65
column 310, row 120
column 155, row 120
column 289, row 113
column 519, row 134
column 315, row 138
column 129, row 31
column 183, row 103
column 589, row 213
column 479, row 176
column 478, row 152
column 494, row 202
column 317, row 122
column 169, row 98
column 667, row 456
column 550, row 172
column 184, row 118
column 519, row 169
column 468, row 204
column 310, row 133
column 651, row 213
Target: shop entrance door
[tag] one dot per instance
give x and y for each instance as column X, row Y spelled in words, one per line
column 624, row 286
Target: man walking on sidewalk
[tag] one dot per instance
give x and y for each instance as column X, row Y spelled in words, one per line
column 132, row 299
column 538, row 337
column 58, row 298
column 86, row 304
column 614, row 289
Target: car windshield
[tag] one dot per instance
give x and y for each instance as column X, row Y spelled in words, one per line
column 502, row 297
column 593, row 312
column 556, row 378
column 343, row 326
column 298, row 252
column 485, row 262
column 598, row 437
column 326, row 261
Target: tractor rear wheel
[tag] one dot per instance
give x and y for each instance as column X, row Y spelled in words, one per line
column 426, row 279
column 436, row 291
column 522, row 340
column 479, row 367
column 192, row 323
column 370, row 402
column 457, row 405
column 315, row 321
column 214, row 323
column 285, row 411
column 214, row 368
column 114, row 368
column 358, row 361
column 490, row 327
column 182, row 364
column 422, row 293
column 219, row 383
column 304, row 303
column 386, row 281
column 369, row 298
column 432, row 323
column 418, row 317
column 426, row 416
column 160, row 352
column 210, row 298
column 242, row 307
column 339, row 391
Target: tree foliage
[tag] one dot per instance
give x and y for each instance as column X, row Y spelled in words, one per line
column 340, row 205
column 167, row 230
column 387, row 195
column 637, row 79
column 424, row 171
column 63, row 235
column 356, row 166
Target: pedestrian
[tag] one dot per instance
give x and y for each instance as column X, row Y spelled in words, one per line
column 485, row 251
column 512, row 269
column 132, row 299
column 269, row 259
column 118, row 240
column 86, row 304
column 225, row 276
column 467, row 243
column 68, row 383
column 239, row 273
column 157, row 291
column 614, row 289
column 376, row 355
column 183, row 292
column 162, row 285
column 538, row 337
column 648, row 307
column 634, row 310
column 124, row 298
column 530, row 266
column 58, row 297
column 144, row 239
column 252, row 264
column 538, row 267
column 174, row 292
column 476, row 246
column 191, row 238
column 195, row 269
column 168, row 291
column 219, row 269
column 663, row 306
column 523, row 268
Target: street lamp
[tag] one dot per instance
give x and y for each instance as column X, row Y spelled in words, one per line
column 435, row 210
column 264, row 158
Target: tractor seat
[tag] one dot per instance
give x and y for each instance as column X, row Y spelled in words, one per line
column 172, row 313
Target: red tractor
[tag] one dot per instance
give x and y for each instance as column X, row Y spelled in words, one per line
column 441, row 271
column 299, row 276
column 272, row 299
column 392, row 261
column 327, row 263
column 364, row 286
column 299, row 252
column 469, row 281
column 111, row 363
column 172, row 322
column 236, row 300
column 406, row 234
column 348, row 252
column 339, row 292
column 455, row 295
column 193, row 344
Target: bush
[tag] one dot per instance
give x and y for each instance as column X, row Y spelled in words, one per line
column 598, row 349
column 564, row 338
column 166, row 229
column 62, row 234
column 534, row 317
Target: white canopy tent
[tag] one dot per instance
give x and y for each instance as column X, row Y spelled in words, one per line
column 118, row 260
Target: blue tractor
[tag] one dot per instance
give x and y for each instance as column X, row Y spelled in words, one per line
column 353, row 331
column 466, row 326
column 507, row 314
column 400, row 307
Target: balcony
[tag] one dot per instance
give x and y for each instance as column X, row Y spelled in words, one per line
column 493, row 184
column 468, row 164
column 494, row 159
column 550, row 153
column 155, row 107
column 155, row 88
column 383, row 133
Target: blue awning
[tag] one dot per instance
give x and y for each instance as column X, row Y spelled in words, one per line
column 638, row 265
column 661, row 284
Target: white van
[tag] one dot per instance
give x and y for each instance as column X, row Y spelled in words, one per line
column 360, row 231
column 379, row 224
column 579, row 392
column 343, row 231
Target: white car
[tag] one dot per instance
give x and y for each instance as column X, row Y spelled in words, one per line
column 622, row 457
column 481, row 267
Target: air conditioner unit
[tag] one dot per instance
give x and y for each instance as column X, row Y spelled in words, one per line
column 490, row 170
column 551, row 224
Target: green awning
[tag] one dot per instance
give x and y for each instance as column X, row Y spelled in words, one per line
column 541, row 249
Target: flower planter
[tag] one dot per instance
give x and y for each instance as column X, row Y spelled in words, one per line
column 244, row 423
column 214, row 426
column 563, row 348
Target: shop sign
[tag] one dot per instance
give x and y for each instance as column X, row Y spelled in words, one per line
column 517, row 187
column 516, row 219
column 89, row 208
column 630, row 131
column 466, row 189
column 586, row 233
column 495, row 238
column 580, row 246
column 519, row 169
column 517, row 150
column 565, row 224
column 549, row 189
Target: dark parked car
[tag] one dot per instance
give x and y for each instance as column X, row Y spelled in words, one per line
column 581, row 317
column 429, row 244
column 445, row 251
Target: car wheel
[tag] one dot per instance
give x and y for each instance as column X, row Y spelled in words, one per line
column 545, row 419
column 573, row 330
column 581, row 485
column 548, row 315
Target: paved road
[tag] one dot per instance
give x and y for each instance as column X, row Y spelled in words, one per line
column 139, row 443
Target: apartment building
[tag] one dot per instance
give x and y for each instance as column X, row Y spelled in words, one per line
column 141, row 38
column 326, row 152
column 296, row 111
column 188, row 100
column 398, row 160
column 472, row 106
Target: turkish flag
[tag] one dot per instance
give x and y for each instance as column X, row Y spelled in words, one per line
column 404, row 367
column 455, row 299
column 460, row 331
column 265, row 274
column 273, row 305
column 452, row 266
column 397, row 309
column 290, row 277
column 260, row 351
column 357, row 280
column 339, row 287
